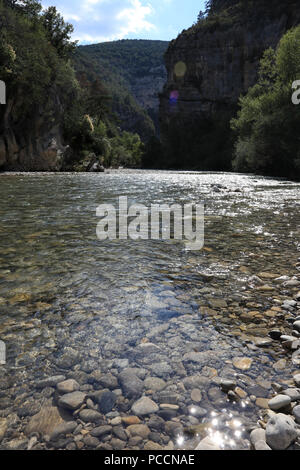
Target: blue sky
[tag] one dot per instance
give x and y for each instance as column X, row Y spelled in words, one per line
column 108, row 20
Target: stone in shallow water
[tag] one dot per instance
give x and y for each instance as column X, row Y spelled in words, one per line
column 129, row 420
column 108, row 381
column 17, row 444
column 101, row 431
column 155, row 384
column 50, row 381
column 139, row 430
column 45, row 421
column 280, row 365
column 90, row 416
column 107, row 402
column 208, row 444
column 150, row 445
column 162, row 369
column 262, row 342
column 297, row 379
column 196, row 395
column 279, row 402
column 281, row 432
column 63, row 428
column 242, row 363
column 218, row 303
column 68, row 386
column 131, row 385
column 262, row 445
column 72, row 401
column 69, row 358
column 144, row 406
column 197, row 411
column 227, row 384
column 3, row 427
column 262, row 403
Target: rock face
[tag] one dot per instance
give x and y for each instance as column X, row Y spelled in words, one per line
column 209, row 66
column 31, row 143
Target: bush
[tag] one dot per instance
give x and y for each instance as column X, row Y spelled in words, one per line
column 268, row 123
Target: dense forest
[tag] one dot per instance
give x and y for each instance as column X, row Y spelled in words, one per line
column 52, row 120
column 134, row 72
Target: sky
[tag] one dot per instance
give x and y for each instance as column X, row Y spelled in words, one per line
column 108, row 20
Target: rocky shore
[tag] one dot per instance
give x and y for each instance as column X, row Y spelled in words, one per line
column 130, row 408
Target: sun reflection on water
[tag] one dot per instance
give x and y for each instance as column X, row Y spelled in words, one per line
column 223, row 430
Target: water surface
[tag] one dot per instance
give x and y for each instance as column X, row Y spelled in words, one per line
column 60, row 287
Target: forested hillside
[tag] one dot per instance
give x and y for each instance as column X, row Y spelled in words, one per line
column 134, row 72
column 51, row 120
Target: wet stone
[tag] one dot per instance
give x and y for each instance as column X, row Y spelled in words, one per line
column 139, row 430
column 144, row 406
column 50, row 381
column 196, row 395
column 155, row 384
column 90, row 416
column 68, row 386
column 91, row 441
column 156, row 423
column 62, row 429
column 242, row 363
column 101, row 431
column 119, row 432
column 107, row 402
column 131, row 385
column 72, row 401
column 227, row 384
column 279, row 402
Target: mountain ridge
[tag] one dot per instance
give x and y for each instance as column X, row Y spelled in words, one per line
column 134, row 73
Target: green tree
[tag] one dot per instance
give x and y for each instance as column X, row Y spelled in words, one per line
column 59, row 32
column 267, row 125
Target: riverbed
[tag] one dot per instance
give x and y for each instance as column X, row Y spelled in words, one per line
column 171, row 322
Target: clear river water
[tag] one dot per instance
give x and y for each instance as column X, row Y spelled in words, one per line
column 75, row 306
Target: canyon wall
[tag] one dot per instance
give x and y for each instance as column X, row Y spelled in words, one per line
column 209, row 66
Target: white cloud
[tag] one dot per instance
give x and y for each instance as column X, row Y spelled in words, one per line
column 105, row 20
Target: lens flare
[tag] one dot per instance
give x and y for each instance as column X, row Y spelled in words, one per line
column 180, row 69
column 174, row 95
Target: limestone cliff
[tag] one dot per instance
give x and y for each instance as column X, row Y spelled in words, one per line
column 209, row 66
column 31, row 143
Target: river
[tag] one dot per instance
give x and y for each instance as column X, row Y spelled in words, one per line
column 89, row 310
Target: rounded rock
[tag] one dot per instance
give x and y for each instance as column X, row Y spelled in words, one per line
column 144, row 406
column 72, row 401
column 279, row 402
column 281, row 432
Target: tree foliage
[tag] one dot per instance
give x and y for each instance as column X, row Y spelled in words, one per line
column 267, row 125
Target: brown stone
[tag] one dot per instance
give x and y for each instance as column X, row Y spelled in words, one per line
column 46, row 421
column 129, row 420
